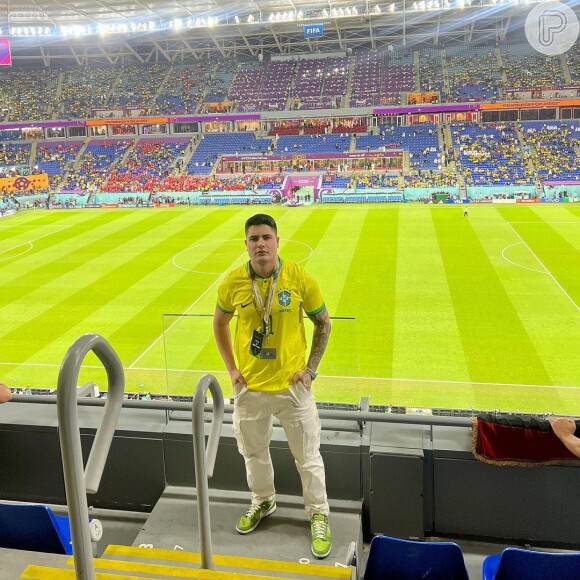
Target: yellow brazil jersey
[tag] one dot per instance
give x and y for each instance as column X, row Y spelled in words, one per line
column 296, row 293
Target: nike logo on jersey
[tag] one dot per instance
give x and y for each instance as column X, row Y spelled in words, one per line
column 244, row 305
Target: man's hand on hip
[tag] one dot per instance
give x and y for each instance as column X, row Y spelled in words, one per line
column 238, row 378
column 304, row 378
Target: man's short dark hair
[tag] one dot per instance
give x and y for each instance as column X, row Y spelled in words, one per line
column 261, row 219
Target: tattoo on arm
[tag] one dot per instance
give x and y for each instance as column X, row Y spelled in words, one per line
column 319, row 338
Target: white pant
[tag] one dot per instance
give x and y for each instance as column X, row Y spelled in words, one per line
column 252, row 422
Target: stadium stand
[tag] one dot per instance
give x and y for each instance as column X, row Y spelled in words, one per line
column 213, row 145
column 136, row 86
column 553, row 146
column 84, row 90
column 93, row 168
column 473, row 73
column 27, row 95
column 183, row 89
column 148, row 163
column 490, row 154
column 526, row 68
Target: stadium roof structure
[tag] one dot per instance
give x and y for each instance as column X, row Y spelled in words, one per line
column 109, row 32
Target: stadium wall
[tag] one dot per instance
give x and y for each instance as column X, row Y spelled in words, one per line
column 414, row 480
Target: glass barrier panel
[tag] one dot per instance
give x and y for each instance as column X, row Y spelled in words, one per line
column 190, row 352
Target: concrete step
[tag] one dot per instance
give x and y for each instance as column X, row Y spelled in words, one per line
column 283, row 536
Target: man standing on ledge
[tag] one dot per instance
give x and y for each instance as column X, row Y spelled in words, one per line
column 272, row 377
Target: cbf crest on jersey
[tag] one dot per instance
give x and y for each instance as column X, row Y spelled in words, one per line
column 284, row 298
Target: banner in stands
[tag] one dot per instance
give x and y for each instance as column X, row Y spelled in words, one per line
column 530, row 104
column 5, row 56
column 294, row 157
column 126, row 121
column 24, row 182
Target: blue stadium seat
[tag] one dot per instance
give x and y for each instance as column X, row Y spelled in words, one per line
column 518, row 564
column 35, row 528
column 395, row 559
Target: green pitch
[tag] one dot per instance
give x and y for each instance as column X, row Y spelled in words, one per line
column 433, row 309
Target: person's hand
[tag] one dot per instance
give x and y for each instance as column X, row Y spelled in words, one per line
column 304, row 378
column 562, row 426
column 237, row 378
column 5, row 393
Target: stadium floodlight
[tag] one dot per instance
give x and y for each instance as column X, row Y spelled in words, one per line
column 250, row 18
column 392, row 7
column 325, row 13
column 300, row 15
column 237, row 19
column 377, row 9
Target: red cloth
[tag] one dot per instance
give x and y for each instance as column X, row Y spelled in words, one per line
column 499, row 443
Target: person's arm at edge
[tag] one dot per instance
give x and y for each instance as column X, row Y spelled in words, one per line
column 320, row 335
column 5, row 393
column 223, row 339
column 564, row 429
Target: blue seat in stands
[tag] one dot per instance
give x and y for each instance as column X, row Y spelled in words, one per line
column 33, row 527
column 518, row 564
column 395, row 559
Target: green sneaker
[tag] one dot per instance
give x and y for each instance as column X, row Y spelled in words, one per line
column 320, row 534
column 250, row 520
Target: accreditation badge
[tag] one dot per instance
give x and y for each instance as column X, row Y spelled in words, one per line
column 268, row 353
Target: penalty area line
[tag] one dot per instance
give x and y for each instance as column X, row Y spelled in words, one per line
column 545, row 268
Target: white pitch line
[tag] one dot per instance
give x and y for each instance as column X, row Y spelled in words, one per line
column 34, row 240
column 186, row 311
column 515, row 263
column 341, row 377
column 546, row 269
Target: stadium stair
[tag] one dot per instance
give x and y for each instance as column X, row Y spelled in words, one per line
column 285, row 535
column 33, row 150
column 565, row 69
column 129, row 562
column 57, row 109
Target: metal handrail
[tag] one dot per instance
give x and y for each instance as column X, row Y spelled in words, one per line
column 358, row 416
column 205, row 458
column 78, row 485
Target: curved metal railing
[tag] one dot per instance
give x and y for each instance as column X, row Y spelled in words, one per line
column 205, row 458
column 78, row 485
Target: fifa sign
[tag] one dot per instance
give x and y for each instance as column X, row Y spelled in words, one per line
column 313, row 30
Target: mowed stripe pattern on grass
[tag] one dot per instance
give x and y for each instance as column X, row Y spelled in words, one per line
column 475, row 315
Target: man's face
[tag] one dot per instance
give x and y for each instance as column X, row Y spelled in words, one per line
column 262, row 244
